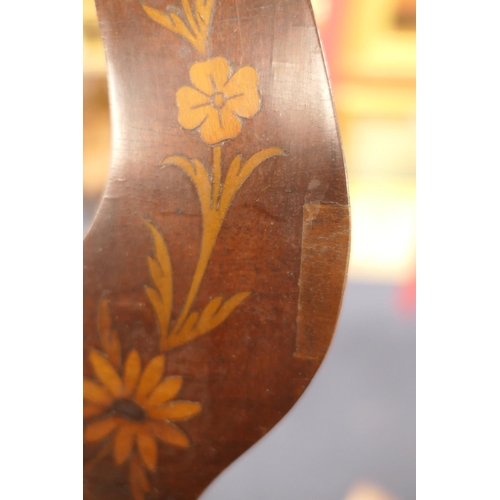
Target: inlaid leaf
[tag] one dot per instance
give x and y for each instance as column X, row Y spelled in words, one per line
column 204, row 9
column 210, row 309
column 227, row 308
column 258, row 158
column 156, row 302
column 198, row 175
column 212, row 316
column 189, row 326
column 156, row 273
column 196, row 31
column 160, row 270
column 238, row 174
column 170, row 21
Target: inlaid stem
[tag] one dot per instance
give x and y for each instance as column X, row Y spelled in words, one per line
column 212, row 221
column 216, row 176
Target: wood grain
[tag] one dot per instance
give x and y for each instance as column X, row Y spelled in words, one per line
column 216, row 260
column 325, row 250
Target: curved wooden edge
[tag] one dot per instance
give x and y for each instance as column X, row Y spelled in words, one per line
column 323, row 275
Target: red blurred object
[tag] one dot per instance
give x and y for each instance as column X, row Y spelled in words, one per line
column 407, row 296
column 330, row 31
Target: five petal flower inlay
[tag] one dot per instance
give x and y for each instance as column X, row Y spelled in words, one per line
column 217, row 101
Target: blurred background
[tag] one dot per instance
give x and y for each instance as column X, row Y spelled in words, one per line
column 352, row 435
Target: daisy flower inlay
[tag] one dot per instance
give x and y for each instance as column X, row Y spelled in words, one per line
column 137, row 407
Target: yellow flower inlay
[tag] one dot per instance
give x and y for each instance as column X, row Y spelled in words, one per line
column 137, row 407
column 218, row 100
column 128, row 407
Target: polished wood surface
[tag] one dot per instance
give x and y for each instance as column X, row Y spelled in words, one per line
column 214, row 271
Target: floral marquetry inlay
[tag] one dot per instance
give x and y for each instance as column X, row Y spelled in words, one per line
column 132, row 406
column 194, row 28
column 218, row 99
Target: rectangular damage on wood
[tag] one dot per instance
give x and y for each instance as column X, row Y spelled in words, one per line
column 325, row 249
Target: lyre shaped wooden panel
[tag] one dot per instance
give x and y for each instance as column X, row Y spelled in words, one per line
column 214, row 271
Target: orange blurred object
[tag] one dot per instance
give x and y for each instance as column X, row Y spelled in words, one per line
column 368, row 492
